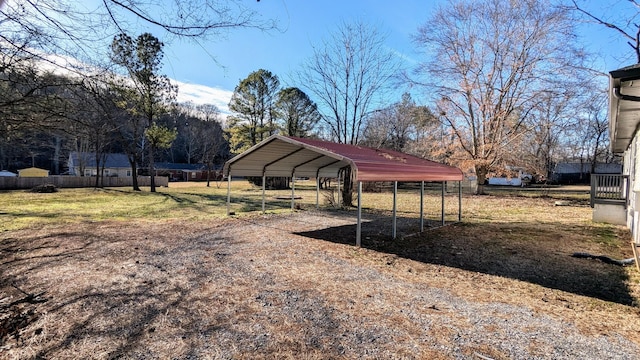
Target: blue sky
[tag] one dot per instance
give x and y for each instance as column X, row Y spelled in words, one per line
column 209, row 71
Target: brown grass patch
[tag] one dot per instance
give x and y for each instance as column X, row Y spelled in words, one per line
column 500, row 285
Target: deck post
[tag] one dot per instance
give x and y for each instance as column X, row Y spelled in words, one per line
column 442, row 202
column 359, row 221
column 395, row 217
column 422, row 206
column 264, row 181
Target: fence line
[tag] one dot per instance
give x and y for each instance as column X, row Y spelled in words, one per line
column 15, row 183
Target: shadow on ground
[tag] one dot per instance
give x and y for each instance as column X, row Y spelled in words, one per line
column 533, row 253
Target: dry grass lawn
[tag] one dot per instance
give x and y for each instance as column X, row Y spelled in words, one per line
column 197, row 285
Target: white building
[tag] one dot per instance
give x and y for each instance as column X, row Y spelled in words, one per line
column 616, row 198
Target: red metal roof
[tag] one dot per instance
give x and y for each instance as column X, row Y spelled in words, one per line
column 289, row 156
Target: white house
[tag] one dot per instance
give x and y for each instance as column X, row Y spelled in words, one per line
column 618, row 197
column 84, row 164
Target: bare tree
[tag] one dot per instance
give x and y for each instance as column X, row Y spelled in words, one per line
column 489, row 63
column 627, row 27
column 72, row 28
column 398, row 127
column 348, row 73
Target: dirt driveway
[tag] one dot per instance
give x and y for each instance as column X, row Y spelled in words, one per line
column 293, row 286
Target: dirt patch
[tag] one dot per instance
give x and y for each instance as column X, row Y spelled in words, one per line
column 294, row 286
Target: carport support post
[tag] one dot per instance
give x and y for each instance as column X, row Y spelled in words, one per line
column 359, row 221
column 264, row 181
column 293, row 191
column 395, row 202
column 422, row 206
column 229, row 192
column 317, row 192
column 442, row 202
column 459, row 200
column 339, row 188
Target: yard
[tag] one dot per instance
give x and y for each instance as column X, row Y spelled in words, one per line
column 112, row 274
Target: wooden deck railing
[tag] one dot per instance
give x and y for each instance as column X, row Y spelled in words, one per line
column 609, row 189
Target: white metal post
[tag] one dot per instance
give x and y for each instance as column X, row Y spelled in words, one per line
column 293, row 191
column 395, row 202
column 264, row 181
column 359, row 222
column 339, row 189
column 229, row 193
column 459, row 200
column 422, row 206
column 317, row 192
column 442, row 202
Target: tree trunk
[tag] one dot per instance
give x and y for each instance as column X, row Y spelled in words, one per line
column 97, row 159
column 134, row 173
column 481, row 174
column 152, row 170
column 347, row 189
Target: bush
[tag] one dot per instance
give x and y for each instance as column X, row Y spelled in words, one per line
column 44, row 188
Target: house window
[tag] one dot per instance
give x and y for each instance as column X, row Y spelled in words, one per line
column 128, row 172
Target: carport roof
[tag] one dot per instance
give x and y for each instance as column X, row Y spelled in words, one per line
column 289, row 156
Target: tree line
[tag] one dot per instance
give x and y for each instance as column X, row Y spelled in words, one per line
column 500, row 84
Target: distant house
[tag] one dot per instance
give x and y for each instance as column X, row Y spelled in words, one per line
column 33, row 172
column 186, row 172
column 580, row 173
column 6, row 173
column 84, row 164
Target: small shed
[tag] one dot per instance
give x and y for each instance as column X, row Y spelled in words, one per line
column 33, row 172
column 284, row 156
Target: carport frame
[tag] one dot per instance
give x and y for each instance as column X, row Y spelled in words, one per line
column 367, row 164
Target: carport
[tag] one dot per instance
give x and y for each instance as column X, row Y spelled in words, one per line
column 282, row 156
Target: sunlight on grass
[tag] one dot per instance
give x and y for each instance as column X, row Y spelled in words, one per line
column 194, row 201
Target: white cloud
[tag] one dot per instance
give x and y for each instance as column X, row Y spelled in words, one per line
column 196, row 93
column 202, row 94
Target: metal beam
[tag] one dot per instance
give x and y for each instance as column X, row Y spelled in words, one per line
column 264, row 168
column 308, row 161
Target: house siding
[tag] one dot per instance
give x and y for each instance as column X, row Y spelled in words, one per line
column 632, row 169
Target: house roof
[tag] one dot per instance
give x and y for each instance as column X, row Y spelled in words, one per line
column 286, row 156
column 577, row 168
column 177, row 166
column 88, row 159
column 624, row 106
column 7, row 173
